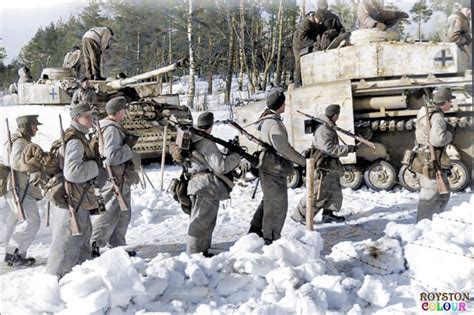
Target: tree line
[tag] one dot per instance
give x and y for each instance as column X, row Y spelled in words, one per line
column 244, row 38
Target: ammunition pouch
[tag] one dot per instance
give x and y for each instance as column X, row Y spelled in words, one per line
column 54, row 191
column 179, row 189
column 84, row 194
column 325, row 163
column 274, row 164
column 4, row 173
column 423, row 164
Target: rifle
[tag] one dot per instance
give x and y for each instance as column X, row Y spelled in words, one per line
column 16, row 196
column 75, row 229
column 227, row 144
column 121, row 200
column 336, row 128
column 249, row 136
column 441, row 184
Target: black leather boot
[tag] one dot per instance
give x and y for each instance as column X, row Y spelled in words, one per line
column 15, row 259
column 256, row 230
column 329, row 217
column 95, row 252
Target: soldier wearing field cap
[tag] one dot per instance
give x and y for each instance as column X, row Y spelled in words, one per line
column 328, row 150
column 111, row 227
column 95, row 45
column 430, row 200
column 275, row 166
column 207, row 186
column 371, row 14
column 20, row 235
column 80, row 169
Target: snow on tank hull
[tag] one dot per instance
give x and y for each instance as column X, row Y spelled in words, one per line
column 379, row 87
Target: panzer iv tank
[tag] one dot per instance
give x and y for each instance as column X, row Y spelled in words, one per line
column 148, row 106
column 379, row 84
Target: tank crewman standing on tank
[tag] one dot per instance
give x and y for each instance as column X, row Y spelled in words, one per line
column 25, row 75
column 207, row 186
column 332, row 25
column 430, row 200
column 84, row 94
column 95, row 43
column 111, row 226
column 73, row 60
column 20, row 235
column 303, row 41
column 269, row 218
column 371, row 14
column 327, row 186
column 459, row 30
column 80, row 169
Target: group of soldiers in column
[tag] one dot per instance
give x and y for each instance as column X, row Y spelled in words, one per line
column 81, row 164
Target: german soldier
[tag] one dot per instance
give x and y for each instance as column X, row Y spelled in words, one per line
column 371, row 14
column 333, row 31
column 269, row 218
column 19, row 236
column 95, row 43
column 329, row 169
column 459, row 31
column 431, row 201
column 84, row 94
column 207, row 186
column 303, row 41
column 80, row 169
column 117, row 149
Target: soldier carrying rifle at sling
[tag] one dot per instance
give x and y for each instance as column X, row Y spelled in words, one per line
column 431, row 161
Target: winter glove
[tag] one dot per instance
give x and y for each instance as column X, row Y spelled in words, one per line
column 351, row 148
column 381, row 26
column 402, row 15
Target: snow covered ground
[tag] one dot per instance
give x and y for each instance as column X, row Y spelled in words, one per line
column 379, row 261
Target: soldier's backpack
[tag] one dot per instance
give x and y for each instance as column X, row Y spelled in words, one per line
column 4, row 172
column 179, row 190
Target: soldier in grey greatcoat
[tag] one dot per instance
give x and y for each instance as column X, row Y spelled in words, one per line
column 333, row 32
column 269, row 218
column 459, row 30
column 303, row 41
column 371, row 14
column 327, row 188
column 80, row 169
column 207, row 186
column 111, row 226
column 95, row 42
column 431, row 201
column 84, row 94
column 20, row 235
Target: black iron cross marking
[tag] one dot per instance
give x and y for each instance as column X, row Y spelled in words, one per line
column 53, row 93
column 444, row 58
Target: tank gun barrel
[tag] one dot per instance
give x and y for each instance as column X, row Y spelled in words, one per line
column 120, row 83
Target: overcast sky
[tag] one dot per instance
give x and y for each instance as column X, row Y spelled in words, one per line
column 20, row 19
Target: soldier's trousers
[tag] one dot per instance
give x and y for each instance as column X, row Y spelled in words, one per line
column 111, row 226
column 68, row 250
column 430, row 201
column 91, row 53
column 21, row 234
column 271, row 213
column 202, row 224
column 297, row 73
column 330, row 196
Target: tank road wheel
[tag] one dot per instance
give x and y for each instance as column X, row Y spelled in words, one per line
column 352, row 177
column 380, row 175
column 459, row 177
column 408, row 179
column 295, row 179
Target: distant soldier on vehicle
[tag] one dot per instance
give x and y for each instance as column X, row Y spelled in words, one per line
column 207, row 186
column 25, row 75
column 73, row 60
column 84, row 94
column 269, row 218
column 436, row 134
column 80, row 170
column 111, row 226
column 327, row 151
column 459, row 30
column 371, row 14
column 333, row 31
column 95, row 44
column 20, row 235
column 303, row 41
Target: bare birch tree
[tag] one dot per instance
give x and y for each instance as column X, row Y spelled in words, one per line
column 192, row 64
